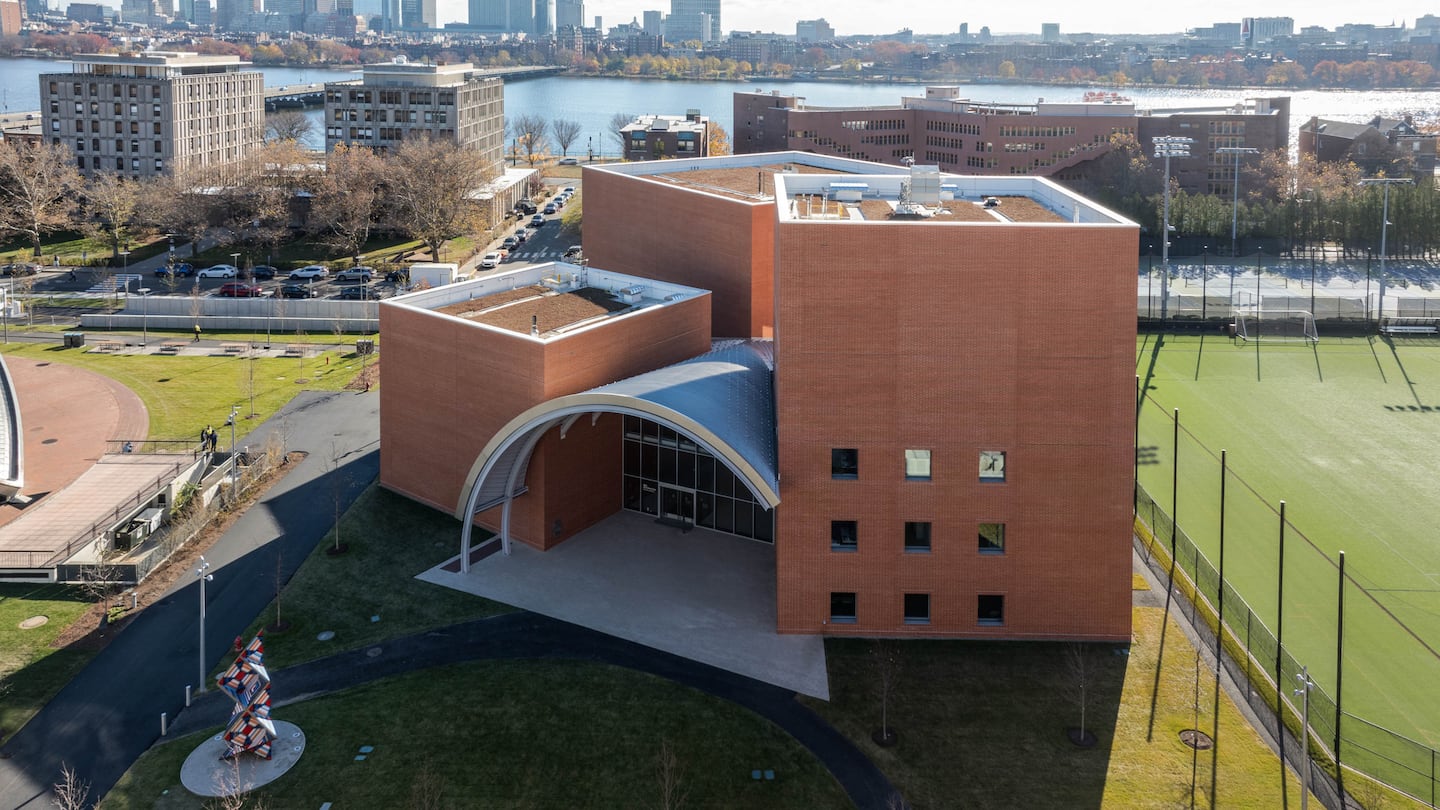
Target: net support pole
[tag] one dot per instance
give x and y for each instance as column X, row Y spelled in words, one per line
column 1175, row 486
column 1280, row 640
column 1220, row 588
column 1139, row 403
column 1339, row 676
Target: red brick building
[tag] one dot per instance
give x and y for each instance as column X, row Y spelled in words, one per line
column 937, row 439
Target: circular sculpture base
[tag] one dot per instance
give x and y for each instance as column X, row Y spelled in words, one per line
column 205, row 774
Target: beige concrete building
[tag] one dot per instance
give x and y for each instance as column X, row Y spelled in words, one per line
column 399, row 100
column 144, row 114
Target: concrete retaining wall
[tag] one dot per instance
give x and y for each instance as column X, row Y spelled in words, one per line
column 271, row 315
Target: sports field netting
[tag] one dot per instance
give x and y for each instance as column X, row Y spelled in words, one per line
column 1343, row 432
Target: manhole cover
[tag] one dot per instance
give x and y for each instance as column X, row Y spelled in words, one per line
column 1197, row 739
column 325, row 635
column 34, row 622
column 49, row 441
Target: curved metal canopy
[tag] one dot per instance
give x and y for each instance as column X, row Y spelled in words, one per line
column 723, row 400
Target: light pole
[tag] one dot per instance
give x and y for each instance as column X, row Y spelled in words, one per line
column 590, row 148
column 1204, row 278
column 1386, row 182
column 204, row 578
column 234, row 411
column 125, row 268
column 1168, row 146
column 171, row 258
column 1303, row 676
column 235, row 263
column 1237, row 151
column 144, row 316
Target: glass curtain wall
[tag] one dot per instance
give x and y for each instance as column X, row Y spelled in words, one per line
column 668, row 475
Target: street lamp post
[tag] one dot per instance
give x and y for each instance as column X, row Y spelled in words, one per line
column 1303, row 676
column 590, row 148
column 235, row 263
column 170, row 259
column 204, row 578
column 234, row 411
column 1237, row 151
column 144, row 316
column 1385, row 182
column 125, row 268
column 1204, row 279
column 1168, row 146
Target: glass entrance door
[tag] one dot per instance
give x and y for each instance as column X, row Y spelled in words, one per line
column 677, row 504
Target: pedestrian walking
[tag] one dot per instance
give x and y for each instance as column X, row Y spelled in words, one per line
column 197, row 334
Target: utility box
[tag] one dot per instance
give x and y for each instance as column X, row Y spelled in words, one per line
column 433, row 274
column 364, row 346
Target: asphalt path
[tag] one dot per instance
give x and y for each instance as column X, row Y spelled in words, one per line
column 110, row 713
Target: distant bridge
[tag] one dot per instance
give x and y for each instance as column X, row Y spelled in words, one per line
column 299, row 96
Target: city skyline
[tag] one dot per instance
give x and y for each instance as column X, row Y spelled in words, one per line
column 851, row 17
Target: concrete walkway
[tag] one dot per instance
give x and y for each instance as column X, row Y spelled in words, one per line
column 528, row 636
column 707, row 596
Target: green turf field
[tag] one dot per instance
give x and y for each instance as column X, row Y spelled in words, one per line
column 1346, row 433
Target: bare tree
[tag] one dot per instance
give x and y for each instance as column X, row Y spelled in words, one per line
column 565, row 130
column 287, row 125
column 532, row 132
column 256, row 201
column 37, row 189
column 178, row 203
column 885, row 659
column 347, row 199
column 619, row 121
column 1082, row 674
column 98, row 581
column 670, row 778
column 429, row 185
column 71, row 792
column 112, row 209
column 337, row 492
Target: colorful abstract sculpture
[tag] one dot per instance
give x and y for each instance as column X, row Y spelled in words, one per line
column 248, row 685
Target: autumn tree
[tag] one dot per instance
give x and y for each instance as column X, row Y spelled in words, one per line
column 178, row 203
column 531, row 132
column 565, row 130
column 287, row 125
column 111, row 206
column 347, row 199
column 256, row 200
column 429, row 183
column 719, row 140
column 37, row 189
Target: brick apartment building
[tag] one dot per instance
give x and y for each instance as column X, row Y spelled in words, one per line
column 144, row 114
column 839, row 359
column 1045, row 139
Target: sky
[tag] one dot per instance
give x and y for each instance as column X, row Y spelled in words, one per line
column 945, row 16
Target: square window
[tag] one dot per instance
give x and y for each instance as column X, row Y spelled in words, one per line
column 917, row 465
column 845, row 463
column 991, row 609
column 917, row 608
column 842, row 607
column 917, row 536
column 844, row 535
column 992, row 538
column 992, row 465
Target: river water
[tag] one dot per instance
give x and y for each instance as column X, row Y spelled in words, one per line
column 593, row 101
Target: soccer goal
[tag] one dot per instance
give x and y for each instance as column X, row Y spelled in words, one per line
column 1276, row 325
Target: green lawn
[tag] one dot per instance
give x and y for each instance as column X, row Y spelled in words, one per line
column 77, row 249
column 391, row 539
column 542, row 734
column 983, row 724
column 183, row 394
column 1344, row 432
column 31, row 670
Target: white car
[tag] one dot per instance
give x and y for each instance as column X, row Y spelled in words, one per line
column 491, row 260
column 219, row 271
column 311, row 271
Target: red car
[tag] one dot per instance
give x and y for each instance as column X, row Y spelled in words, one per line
column 239, row 289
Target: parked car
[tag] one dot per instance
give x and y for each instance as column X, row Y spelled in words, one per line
column 573, row 252
column 311, row 271
column 510, row 243
column 298, row 291
column 400, row 276
column 179, row 269
column 521, row 235
column 568, row 190
column 263, row 272
column 240, row 289
column 525, row 206
column 537, row 221
column 356, row 273
column 20, row 269
column 219, row 271
column 360, row 292
column 549, row 208
column 491, row 260
column 569, row 161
